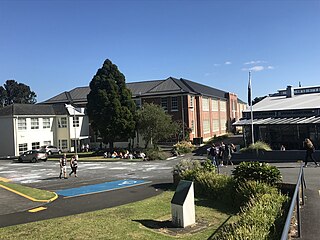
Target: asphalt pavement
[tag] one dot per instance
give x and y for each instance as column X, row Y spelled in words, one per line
column 13, row 208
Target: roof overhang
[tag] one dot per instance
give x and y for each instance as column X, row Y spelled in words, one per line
column 279, row 121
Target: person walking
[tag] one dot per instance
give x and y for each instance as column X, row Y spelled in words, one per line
column 74, row 165
column 222, row 150
column 228, row 153
column 213, row 154
column 63, row 166
column 308, row 145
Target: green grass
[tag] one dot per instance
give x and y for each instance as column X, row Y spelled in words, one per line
column 123, row 222
column 31, row 192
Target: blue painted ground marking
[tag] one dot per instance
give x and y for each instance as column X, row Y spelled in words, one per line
column 101, row 187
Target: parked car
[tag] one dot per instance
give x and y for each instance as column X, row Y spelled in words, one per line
column 33, row 156
column 49, row 149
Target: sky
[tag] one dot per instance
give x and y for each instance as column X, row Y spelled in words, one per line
column 55, row 46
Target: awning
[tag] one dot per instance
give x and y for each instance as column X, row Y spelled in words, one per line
column 279, row 121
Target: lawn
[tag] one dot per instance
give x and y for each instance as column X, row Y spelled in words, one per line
column 34, row 193
column 123, row 222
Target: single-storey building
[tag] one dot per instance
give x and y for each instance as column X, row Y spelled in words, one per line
column 285, row 118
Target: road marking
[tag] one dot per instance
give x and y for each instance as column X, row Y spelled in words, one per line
column 37, row 209
column 101, row 187
column 4, row 179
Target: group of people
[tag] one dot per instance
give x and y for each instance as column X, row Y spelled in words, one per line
column 85, row 148
column 73, row 165
column 125, row 155
column 221, row 153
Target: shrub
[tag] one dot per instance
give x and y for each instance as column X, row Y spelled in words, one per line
column 214, row 186
column 155, row 154
column 251, row 189
column 262, row 146
column 256, row 219
column 184, row 147
column 256, row 171
column 187, row 169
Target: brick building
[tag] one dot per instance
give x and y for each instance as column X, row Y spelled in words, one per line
column 205, row 110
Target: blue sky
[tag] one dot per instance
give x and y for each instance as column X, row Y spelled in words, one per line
column 55, row 46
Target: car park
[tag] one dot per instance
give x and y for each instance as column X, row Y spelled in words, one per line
column 33, row 156
column 50, row 150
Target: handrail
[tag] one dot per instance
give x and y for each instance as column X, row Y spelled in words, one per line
column 295, row 202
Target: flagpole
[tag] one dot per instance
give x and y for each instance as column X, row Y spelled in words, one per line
column 251, row 107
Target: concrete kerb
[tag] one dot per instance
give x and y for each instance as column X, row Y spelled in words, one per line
column 28, row 197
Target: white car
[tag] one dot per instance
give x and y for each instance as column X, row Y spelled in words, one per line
column 49, row 149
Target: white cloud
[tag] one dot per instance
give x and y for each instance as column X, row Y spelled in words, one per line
column 254, row 62
column 228, row 63
column 270, row 67
column 254, row 69
column 216, row 65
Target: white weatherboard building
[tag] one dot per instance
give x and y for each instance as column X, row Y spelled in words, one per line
column 30, row 126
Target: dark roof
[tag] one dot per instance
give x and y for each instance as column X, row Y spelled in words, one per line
column 33, row 109
column 145, row 88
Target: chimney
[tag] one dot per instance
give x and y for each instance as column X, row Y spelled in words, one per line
column 290, row 92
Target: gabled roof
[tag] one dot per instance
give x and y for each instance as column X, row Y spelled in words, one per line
column 33, row 110
column 145, row 88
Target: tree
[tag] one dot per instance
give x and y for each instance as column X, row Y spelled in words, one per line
column 3, row 96
column 258, row 99
column 14, row 92
column 110, row 108
column 154, row 124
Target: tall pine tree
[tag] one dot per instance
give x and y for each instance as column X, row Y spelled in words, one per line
column 110, row 107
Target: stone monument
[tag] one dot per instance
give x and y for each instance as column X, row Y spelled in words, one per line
column 182, row 205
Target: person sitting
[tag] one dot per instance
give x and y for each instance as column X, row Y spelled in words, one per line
column 120, row 155
column 114, row 154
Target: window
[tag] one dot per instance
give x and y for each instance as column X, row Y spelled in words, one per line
column 22, row 123
column 63, row 144
column 215, row 106
column 46, row 142
column 215, row 125
column 76, row 122
column 34, row 123
column 223, row 123
column 174, row 103
column 138, row 102
column 35, row 145
column 206, row 126
column 46, row 123
column 62, row 122
column 164, row 104
column 192, row 125
column 223, row 106
column 205, row 104
column 191, row 102
column 23, row 147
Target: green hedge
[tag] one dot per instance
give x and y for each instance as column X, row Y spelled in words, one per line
column 257, row 171
column 257, row 146
column 256, row 220
column 260, row 205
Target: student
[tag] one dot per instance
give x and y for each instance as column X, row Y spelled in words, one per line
column 213, row 154
column 63, row 166
column 74, row 165
column 308, row 145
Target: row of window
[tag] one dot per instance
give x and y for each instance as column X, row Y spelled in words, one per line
column 174, row 103
column 214, row 105
column 62, row 123
column 62, row 144
column 35, row 145
column 205, row 104
column 216, row 125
